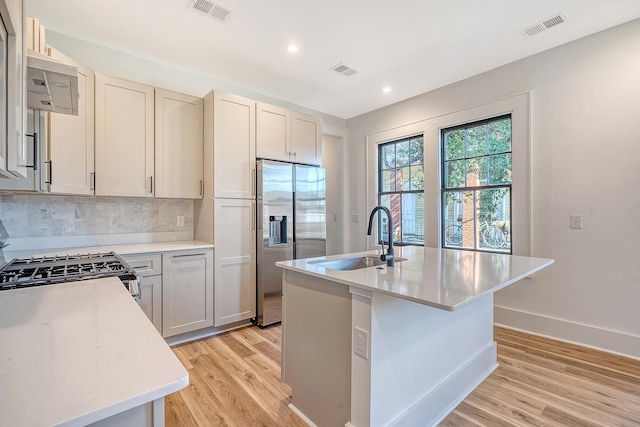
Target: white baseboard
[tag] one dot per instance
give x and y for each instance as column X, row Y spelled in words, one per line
column 204, row 333
column 616, row 342
column 301, row 415
column 428, row 411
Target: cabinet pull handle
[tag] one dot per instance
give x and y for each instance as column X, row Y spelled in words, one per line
column 253, row 181
column 151, row 186
column 35, row 150
column 253, row 216
column 186, row 255
column 201, row 187
column 50, row 181
column 93, row 182
column 140, row 267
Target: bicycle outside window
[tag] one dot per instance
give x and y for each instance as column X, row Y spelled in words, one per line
column 476, row 185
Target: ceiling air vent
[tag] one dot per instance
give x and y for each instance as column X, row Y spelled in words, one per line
column 544, row 25
column 344, row 70
column 214, row 10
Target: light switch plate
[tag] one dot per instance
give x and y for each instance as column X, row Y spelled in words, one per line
column 575, row 221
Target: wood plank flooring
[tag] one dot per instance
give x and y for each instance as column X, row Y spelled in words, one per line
column 235, row 382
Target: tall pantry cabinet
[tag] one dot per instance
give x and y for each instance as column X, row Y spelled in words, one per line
column 226, row 215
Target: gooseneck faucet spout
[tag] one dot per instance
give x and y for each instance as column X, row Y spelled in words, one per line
column 388, row 257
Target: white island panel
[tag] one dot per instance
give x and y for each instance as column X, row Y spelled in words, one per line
column 421, row 333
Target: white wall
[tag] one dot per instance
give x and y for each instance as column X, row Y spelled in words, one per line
column 333, row 162
column 585, row 151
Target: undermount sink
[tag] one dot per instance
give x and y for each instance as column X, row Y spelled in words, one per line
column 354, row 263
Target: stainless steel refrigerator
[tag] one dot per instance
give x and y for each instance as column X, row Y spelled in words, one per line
column 291, row 213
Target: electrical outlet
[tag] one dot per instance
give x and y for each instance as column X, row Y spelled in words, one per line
column 575, row 221
column 354, row 218
column 180, row 220
column 361, row 342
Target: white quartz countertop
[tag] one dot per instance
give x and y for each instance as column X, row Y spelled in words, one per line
column 129, row 249
column 442, row 278
column 74, row 353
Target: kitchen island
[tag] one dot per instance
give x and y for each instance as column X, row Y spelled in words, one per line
column 371, row 345
column 79, row 353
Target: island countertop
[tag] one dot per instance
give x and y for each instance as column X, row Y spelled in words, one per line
column 443, row 278
column 74, row 353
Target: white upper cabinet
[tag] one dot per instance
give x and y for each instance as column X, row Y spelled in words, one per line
column 178, row 145
column 306, row 138
column 273, row 132
column 287, row 135
column 124, row 138
column 71, row 139
column 231, row 130
column 13, row 142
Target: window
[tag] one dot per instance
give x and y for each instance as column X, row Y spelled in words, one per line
column 476, row 185
column 401, row 189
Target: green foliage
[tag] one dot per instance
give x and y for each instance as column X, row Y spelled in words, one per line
column 402, row 162
column 478, row 155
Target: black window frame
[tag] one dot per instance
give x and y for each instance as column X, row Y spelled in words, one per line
column 473, row 189
column 380, row 193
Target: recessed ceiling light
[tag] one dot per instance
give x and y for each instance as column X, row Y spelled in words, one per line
column 292, row 48
column 386, row 89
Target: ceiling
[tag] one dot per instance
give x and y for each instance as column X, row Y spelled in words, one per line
column 410, row 46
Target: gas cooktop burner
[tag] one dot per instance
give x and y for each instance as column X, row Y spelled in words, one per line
column 22, row 273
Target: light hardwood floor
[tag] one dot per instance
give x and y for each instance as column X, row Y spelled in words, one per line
column 235, row 381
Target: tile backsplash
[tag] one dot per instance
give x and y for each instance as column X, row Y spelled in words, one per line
column 45, row 216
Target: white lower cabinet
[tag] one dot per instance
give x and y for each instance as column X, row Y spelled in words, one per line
column 187, row 291
column 149, row 268
column 235, row 271
column 151, row 299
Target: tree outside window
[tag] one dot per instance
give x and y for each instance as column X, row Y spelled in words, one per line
column 476, row 185
column 401, row 189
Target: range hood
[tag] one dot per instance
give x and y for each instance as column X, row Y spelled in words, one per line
column 51, row 85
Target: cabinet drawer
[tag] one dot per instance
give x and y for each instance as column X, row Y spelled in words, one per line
column 145, row 264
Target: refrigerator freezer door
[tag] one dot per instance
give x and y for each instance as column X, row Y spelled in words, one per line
column 310, row 212
column 275, row 236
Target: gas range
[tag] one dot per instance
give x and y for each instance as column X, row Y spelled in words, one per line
column 48, row 270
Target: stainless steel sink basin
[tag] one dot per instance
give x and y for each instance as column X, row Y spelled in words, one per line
column 354, row 263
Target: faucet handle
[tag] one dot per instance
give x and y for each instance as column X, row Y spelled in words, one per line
column 381, row 242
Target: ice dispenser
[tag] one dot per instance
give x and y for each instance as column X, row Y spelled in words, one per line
column 277, row 230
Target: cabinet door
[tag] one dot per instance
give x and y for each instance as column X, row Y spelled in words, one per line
column 187, row 291
column 151, row 299
column 306, row 139
column 234, row 146
column 149, row 268
column 178, row 145
column 124, row 138
column 235, row 273
column 71, row 138
column 273, row 132
column 36, row 120
column 13, row 142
